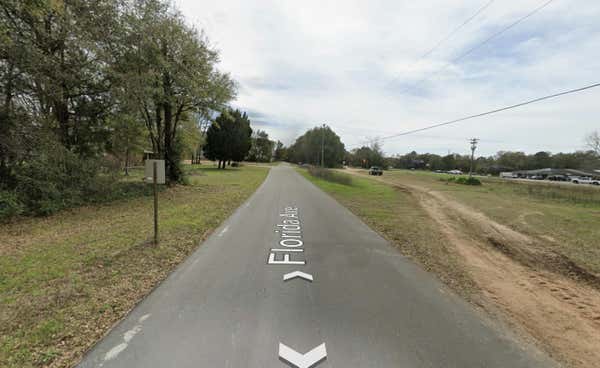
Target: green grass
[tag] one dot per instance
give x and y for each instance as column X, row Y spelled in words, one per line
column 65, row 279
column 565, row 218
column 397, row 216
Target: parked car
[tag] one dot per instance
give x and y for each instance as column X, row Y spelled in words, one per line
column 508, row 175
column 455, row 172
column 375, row 170
column 581, row 180
column 557, row 178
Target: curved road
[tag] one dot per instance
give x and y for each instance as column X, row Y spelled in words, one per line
column 228, row 305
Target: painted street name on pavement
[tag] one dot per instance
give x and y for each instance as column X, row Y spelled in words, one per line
column 290, row 252
column 290, row 243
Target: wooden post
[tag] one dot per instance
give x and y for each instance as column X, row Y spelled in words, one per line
column 155, row 186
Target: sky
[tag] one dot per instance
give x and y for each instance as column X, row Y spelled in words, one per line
column 358, row 67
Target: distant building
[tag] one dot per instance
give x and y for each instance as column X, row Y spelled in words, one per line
column 545, row 173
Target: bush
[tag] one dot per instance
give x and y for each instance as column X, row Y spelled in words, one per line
column 329, row 175
column 55, row 178
column 462, row 180
column 10, row 205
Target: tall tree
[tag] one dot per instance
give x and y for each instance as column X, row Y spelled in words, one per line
column 169, row 70
column 240, row 135
column 280, row 153
column 367, row 156
column 63, row 56
column 262, row 147
column 129, row 137
column 593, row 142
column 308, row 147
column 228, row 138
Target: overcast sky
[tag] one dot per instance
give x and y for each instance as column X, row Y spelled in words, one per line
column 357, row 66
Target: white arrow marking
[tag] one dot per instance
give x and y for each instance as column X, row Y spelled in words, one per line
column 308, row 360
column 292, row 275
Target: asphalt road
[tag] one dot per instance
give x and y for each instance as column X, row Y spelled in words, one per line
column 367, row 305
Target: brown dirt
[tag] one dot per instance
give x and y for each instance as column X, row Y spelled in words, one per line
column 538, row 292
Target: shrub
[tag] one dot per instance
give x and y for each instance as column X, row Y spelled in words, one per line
column 10, row 205
column 55, row 178
column 330, row 175
column 468, row 180
column 462, row 180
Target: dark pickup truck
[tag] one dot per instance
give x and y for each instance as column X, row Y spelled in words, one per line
column 375, row 170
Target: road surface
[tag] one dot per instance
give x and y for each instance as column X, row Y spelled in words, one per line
column 228, row 304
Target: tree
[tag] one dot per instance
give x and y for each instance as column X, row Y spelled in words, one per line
column 593, row 142
column 262, row 148
column 366, row 157
column 169, row 70
column 63, row 57
column 128, row 137
column 280, row 153
column 540, row 160
column 307, row 148
column 191, row 138
column 228, row 138
column 240, row 137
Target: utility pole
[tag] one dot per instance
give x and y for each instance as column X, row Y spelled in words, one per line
column 323, row 146
column 474, row 142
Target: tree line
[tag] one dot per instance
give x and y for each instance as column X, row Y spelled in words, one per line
column 502, row 161
column 307, row 149
column 85, row 82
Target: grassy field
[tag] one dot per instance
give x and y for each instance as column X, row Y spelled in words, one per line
column 67, row 278
column 565, row 218
column 397, row 216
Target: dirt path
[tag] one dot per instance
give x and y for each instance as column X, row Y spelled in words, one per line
column 560, row 313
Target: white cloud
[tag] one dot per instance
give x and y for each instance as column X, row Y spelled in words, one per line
column 345, row 63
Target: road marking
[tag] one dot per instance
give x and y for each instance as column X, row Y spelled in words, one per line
column 112, row 353
column 293, row 275
column 308, row 360
column 286, row 260
column 127, row 337
column 290, row 239
column 224, row 231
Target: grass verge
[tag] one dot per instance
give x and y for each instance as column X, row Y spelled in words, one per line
column 329, row 175
column 396, row 215
column 66, row 279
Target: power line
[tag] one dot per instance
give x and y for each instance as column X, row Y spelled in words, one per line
column 479, row 45
column 448, row 36
column 491, row 111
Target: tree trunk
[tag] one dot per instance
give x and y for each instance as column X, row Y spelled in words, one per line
column 127, row 162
